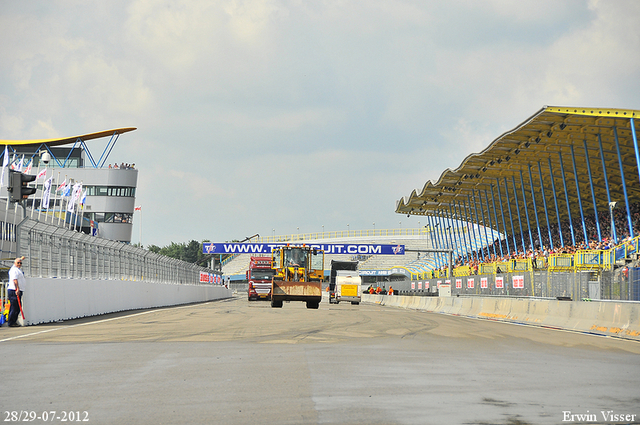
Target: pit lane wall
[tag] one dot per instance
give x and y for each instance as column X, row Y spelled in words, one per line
column 607, row 318
column 50, row 299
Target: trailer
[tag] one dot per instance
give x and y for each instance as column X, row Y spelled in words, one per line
column 345, row 283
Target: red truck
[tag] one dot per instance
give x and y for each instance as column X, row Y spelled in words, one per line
column 259, row 277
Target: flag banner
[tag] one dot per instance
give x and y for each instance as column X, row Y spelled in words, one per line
column 41, row 174
column 83, row 200
column 71, row 204
column 77, row 191
column 5, row 160
column 62, row 186
column 19, row 167
column 138, row 208
column 28, row 170
column 46, row 195
column 265, row 248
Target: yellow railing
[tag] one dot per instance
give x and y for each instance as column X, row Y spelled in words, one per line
column 561, row 262
column 589, row 259
column 520, row 265
column 487, row 268
column 581, row 260
column 462, row 271
column 502, row 267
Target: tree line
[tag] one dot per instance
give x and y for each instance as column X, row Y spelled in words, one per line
column 191, row 252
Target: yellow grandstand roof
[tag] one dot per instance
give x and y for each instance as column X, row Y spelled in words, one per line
column 67, row 140
column 551, row 134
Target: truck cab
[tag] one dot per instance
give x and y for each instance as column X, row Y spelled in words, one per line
column 259, row 276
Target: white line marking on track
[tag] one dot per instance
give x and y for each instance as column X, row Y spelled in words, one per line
column 98, row 321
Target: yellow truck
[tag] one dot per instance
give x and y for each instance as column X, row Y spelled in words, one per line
column 299, row 271
column 345, row 283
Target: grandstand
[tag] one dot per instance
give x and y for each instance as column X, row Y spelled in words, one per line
column 410, row 264
column 541, row 180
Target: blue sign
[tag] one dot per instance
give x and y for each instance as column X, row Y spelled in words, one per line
column 374, row 272
column 266, row 248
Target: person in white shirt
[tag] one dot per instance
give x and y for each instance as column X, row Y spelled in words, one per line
column 15, row 289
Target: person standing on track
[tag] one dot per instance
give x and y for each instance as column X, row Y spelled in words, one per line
column 15, row 290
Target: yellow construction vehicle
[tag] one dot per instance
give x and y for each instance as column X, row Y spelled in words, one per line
column 299, row 271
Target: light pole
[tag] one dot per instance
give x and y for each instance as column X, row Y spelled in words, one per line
column 347, row 229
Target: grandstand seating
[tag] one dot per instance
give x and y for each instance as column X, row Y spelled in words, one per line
column 239, row 265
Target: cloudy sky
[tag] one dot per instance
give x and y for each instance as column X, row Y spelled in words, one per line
column 276, row 116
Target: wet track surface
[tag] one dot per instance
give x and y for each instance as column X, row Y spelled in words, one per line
column 238, row 362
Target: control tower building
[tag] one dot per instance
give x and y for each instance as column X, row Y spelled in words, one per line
column 109, row 192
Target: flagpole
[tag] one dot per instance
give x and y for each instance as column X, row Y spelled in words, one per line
column 82, row 213
column 75, row 210
column 46, row 191
column 6, row 214
column 33, row 206
column 62, row 202
column 42, row 193
column 55, row 199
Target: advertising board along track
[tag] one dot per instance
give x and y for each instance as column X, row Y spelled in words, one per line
column 266, row 248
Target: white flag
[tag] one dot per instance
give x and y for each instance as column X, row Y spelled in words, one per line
column 47, row 193
column 5, row 160
column 20, row 161
column 71, row 204
column 41, row 174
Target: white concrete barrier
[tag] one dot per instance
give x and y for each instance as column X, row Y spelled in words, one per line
column 50, row 299
column 610, row 318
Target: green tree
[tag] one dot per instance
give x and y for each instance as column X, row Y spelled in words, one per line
column 190, row 252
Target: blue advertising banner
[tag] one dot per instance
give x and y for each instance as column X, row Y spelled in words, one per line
column 266, row 248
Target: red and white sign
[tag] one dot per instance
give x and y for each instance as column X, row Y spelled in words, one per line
column 439, row 283
column 458, row 283
column 518, row 282
column 470, row 282
column 413, row 285
column 426, row 285
column 419, row 285
column 499, row 282
column 484, row 283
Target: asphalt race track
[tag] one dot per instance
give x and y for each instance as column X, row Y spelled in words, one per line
column 236, row 362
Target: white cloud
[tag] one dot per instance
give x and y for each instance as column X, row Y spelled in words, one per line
column 254, row 115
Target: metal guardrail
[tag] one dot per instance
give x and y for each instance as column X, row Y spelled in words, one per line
column 53, row 251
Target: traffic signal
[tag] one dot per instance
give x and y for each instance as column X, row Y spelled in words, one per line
column 18, row 185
